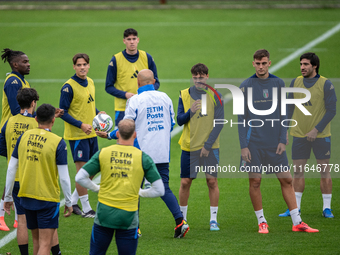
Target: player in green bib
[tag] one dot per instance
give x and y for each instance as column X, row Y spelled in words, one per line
column 122, row 169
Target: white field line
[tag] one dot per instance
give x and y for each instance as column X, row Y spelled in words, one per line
column 5, row 240
column 166, row 24
column 304, row 49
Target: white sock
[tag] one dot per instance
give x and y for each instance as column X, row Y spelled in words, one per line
column 85, row 203
column 2, row 210
column 260, row 216
column 295, row 215
column 326, row 201
column 184, row 210
column 213, row 213
column 298, row 196
column 74, row 197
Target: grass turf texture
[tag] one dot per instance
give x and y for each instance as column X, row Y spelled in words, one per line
column 225, row 41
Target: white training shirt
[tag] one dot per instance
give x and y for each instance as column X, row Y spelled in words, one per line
column 153, row 114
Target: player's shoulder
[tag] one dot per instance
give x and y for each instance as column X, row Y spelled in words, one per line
column 13, row 81
column 90, row 80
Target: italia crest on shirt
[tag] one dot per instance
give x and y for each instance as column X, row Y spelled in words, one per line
column 265, row 93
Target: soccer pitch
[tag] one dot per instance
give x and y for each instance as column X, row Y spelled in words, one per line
column 225, row 41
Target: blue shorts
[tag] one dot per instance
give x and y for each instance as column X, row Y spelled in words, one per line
column 83, row 150
column 119, row 115
column 321, row 148
column 18, row 207
column 43, row 218
column 101, row 237
column 265, row 160
column 192, row 163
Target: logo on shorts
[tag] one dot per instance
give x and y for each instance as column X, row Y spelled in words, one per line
column 80, row 154
column 328, row 153
column 265, row 93
column 243, row 163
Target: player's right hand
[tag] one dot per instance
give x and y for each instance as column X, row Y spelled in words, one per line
column 101, row 134
column 246, row 156
column 87, row 129
column 196, row 106
column 128, row 95
column 7, row 207
column 68, row 211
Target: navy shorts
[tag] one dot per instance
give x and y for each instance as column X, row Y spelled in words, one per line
column 101, row 237
column 43, row 218
column 265, row 160
column 119, row 115
column 83, row 150
column 301, row 148
column 18, row 207
column 192, row 163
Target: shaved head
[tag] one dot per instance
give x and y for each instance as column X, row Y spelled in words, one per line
column 126, row 128
column 145, row 77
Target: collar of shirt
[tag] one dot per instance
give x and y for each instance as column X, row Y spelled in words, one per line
column 131, row 58
column 27, row 114
column 20, row 76
column 148, row 87
column 82, row 82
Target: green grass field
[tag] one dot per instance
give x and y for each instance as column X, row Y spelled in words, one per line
column 225, row 41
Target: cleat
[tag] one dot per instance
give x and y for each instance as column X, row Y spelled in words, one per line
column 15, row 225
column 263, row 228
column 147, row 186
column 285, row 214
column 181, row 229
column 139, row 233
column 214, row 226
column 3, row 225
column 303, row 227
column 89, row 214
column 77, row 210
column 327, row 213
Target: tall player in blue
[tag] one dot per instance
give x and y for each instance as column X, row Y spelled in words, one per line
column 265, row 145
column 121, row 78
column 313, row 131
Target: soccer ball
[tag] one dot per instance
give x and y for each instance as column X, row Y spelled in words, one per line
column 102, row 122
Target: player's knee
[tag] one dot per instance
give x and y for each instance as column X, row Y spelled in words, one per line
column 255, row 183
column 186, row 183
column 212, row 183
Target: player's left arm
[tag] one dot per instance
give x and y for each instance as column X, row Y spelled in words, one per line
column 152, row 175
column 153, row 68
column 91, row 168
column 65, row 183
column 330, row 105
column 218, row 114
column 10, row 177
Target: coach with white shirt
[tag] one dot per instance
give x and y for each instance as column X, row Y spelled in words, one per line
column 153, row 114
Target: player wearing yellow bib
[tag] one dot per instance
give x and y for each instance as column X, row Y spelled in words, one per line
column 78, row 101
column 122, row 169
column 199, row 140
column 313, row 131
column 121, row 78
column 41, row 157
